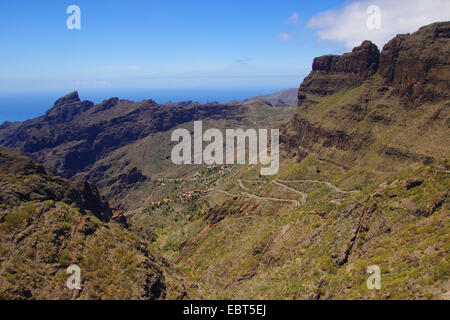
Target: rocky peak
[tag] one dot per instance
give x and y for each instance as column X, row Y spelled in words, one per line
column 414, row 65
column 413, row 72
column 107, row 104
column 363, row 60
column 332, row 73
column 67, row 107
column 68, row 98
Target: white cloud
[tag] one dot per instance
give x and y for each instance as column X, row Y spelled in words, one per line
column 285, row 36
column 293, row 19
column 348, row 25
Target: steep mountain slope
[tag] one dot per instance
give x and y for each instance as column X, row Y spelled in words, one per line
column 239, row 246
column 47, row 223
column 376, row 113
column 364, row 181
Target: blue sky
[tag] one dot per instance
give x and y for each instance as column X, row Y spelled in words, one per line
column 187, row 43
column 133, row 44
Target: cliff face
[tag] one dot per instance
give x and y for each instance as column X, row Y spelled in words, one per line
column 333, row 73
column 416, row 65
column 394, row 103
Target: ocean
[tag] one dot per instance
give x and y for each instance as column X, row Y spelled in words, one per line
column 26, row 105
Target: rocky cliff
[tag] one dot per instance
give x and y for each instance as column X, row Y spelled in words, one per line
column 366, row 105
column 416, row 65
column 333, row 73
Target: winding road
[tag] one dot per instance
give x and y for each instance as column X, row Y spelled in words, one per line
column 281, row 183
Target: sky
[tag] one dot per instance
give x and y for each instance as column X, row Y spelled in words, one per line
column 189, row 43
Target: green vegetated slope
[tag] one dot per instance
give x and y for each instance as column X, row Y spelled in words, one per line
column 239, row 247
column 371, row 156
column 47, row 223
column 368, row 133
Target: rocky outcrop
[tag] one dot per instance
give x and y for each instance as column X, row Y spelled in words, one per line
column 23, row 180
column 132, row 176
column 416, row 65
column 362, row 61
column 332, row 73
column 308, row 134
column 68, row 98
column 47, row 223
column 66, row 108
column 412, row 72
column 107, row 104
column 90, row 199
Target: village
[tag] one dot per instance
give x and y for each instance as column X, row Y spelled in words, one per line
column 212, row 171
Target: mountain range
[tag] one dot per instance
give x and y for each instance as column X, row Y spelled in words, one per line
column 363, row 181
